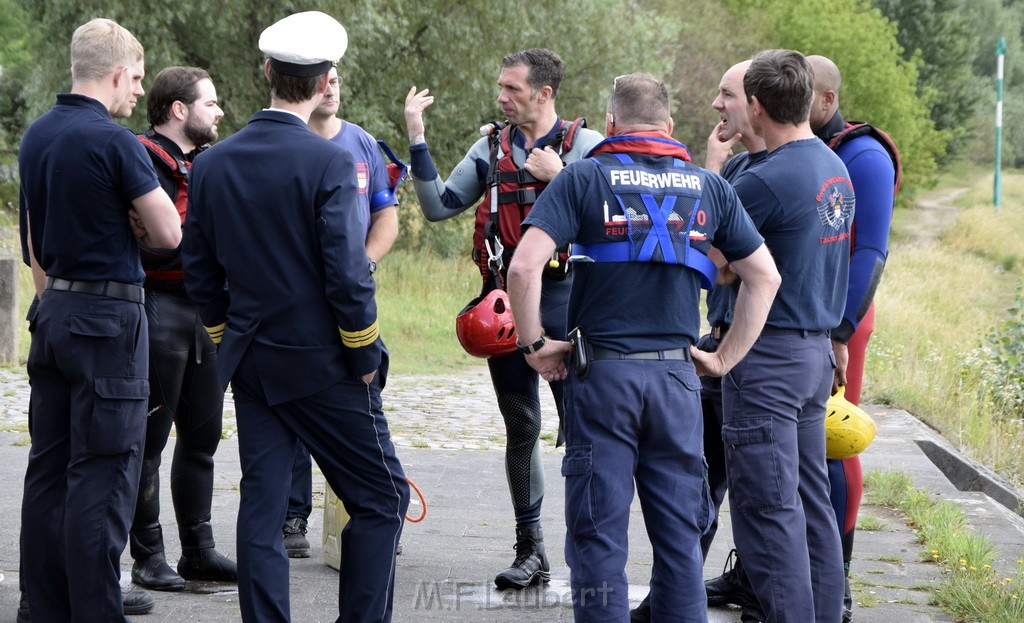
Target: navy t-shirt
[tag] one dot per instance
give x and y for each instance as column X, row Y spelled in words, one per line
column 721, row 298
column 639, row 306
column 801, row 200
column 80, row 172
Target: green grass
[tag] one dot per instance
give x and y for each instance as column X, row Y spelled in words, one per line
column 871, row 524
column 937, row 302
column 418, row 296
column 972, row 589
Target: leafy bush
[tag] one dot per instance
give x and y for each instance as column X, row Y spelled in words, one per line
column 1002, row 355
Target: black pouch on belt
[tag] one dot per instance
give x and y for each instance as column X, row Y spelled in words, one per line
column 579, row 357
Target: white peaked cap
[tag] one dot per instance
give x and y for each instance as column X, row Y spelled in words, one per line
column 304, row 44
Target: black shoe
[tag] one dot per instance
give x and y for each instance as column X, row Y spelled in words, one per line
column 137, row 601
column 847, row 615
column 154, row 573
column 729, row 587
column 294, row 534
column 642, row 613
column 206, row 565
column 531, row 563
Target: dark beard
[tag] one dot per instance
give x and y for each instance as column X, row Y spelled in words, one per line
column 197, row 134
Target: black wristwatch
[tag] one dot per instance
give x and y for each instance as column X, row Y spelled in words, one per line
column 372, row 265
column 529, row 349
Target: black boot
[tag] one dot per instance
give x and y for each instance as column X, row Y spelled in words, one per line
column 531, row 563
column 294, row 535
column 151, row 569
column 731, row 587
column 199, row 560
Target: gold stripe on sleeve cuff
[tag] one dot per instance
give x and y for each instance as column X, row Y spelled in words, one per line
column 359, row 339
column 216, row 332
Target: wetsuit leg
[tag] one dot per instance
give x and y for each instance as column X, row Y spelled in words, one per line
column 515, row 384
column 846, row 479
column 198, row 422
column 168, row 352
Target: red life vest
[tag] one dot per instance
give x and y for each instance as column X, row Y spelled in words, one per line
column 164, row 264
column 513, row 191
column 855, row 129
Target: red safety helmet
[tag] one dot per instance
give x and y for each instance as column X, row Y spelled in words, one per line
column 485, row 326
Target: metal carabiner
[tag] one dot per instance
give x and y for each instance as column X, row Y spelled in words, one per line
column 494, row 259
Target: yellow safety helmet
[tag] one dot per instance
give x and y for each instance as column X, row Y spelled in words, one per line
column 848, row 430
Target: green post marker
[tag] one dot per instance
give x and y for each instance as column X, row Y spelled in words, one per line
column 997, row 192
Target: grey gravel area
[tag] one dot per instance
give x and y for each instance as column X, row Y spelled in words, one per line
column 451, row 438
column 456, row 410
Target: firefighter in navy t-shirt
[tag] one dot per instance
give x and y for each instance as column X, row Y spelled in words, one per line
column 642, row 217
column 801, row 200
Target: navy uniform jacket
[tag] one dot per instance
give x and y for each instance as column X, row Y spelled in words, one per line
column 274, row 254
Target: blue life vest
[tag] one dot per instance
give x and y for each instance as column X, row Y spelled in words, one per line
column 658, row 208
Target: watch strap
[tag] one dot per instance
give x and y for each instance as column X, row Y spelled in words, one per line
column 529, row 349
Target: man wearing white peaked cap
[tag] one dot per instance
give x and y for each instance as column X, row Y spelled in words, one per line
column 274, row 214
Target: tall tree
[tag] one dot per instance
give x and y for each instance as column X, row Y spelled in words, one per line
column 949, row 85
column 879, row 84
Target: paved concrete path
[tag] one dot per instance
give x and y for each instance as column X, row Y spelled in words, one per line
column 450, row 439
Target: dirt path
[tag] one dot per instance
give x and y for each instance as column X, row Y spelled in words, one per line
column 933, row 213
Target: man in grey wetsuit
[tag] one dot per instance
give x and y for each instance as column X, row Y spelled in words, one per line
column 528, row 152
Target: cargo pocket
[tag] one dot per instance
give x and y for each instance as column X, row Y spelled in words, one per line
column 754, row 476
column 578, row 470
column 118, row 415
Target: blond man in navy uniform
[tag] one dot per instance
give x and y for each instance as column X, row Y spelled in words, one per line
column 275, row 255
column 81, row 176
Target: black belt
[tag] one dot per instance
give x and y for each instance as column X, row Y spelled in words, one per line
column 112, row 289
column 719, row 330
column 804, row 333
column 674, row 354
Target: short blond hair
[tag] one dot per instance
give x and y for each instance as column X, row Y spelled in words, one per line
column 100, row 46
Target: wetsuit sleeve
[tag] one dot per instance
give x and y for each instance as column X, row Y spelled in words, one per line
column 349, row 287
column 872, row 174
column 586, row 139
column 464, row 186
